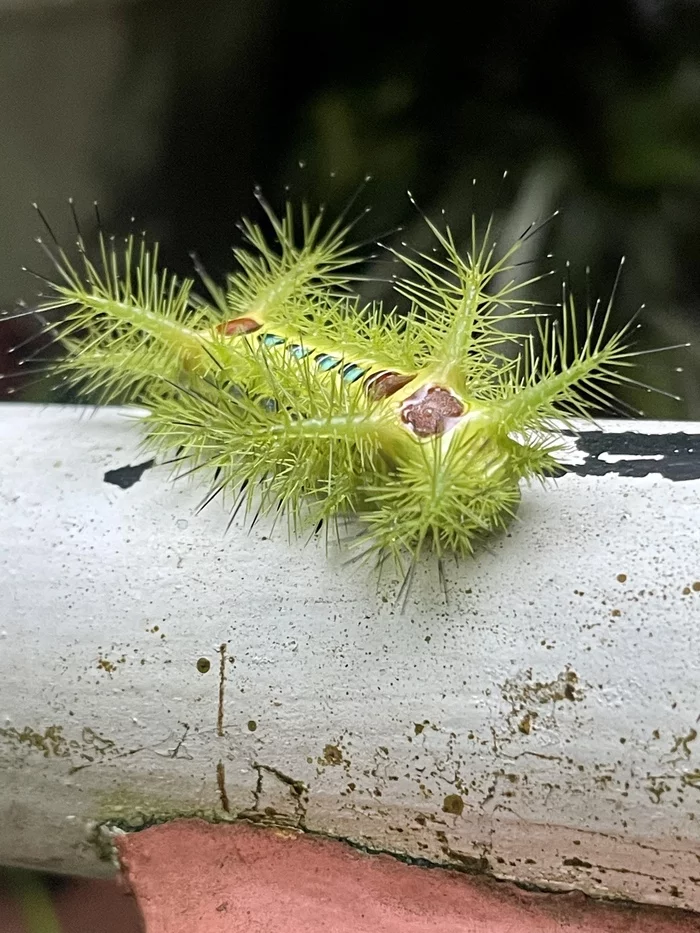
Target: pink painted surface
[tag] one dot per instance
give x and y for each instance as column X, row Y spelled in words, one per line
column 194, row 877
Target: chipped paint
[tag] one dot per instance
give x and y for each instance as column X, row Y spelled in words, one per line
column 49, row 742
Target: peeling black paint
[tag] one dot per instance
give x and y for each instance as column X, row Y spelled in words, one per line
column 126, row 476
column 679, row 454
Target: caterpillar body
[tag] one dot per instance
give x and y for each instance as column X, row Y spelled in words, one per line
column 302, row 401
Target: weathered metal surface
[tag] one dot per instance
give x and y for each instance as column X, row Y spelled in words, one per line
column 542, row 726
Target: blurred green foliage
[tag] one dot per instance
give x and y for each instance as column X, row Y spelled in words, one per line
column 33, row 898
column 594, row 109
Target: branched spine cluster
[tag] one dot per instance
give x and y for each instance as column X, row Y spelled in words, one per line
column 298, row 400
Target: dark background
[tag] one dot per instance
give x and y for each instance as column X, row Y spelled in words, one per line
column 173, row 111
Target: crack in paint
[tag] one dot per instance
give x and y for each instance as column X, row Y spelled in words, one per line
column 458, row 861
column 268, row 815
column 177, row 748
column 221, row 784
column 222, row 687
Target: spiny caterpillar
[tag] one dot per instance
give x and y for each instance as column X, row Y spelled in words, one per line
column 303, row 401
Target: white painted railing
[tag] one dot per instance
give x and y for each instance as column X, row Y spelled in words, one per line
column 542, row 726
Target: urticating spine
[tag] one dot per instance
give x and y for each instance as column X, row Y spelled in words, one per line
column 300, row 401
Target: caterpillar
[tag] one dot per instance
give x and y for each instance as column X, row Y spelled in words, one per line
column 299, row 400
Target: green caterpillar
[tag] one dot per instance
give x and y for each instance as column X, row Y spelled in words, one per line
column 300, row 401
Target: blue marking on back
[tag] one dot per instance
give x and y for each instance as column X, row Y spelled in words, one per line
column 272, row 340
column 352, row 372
column 326, row 362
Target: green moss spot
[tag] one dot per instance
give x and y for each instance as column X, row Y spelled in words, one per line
column 454, row 804
column 332, row 755
column 203, row 665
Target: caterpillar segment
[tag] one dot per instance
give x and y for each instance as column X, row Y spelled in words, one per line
column 299, row 401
